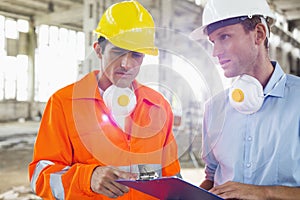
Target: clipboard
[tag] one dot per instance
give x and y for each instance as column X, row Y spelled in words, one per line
column 170, row 188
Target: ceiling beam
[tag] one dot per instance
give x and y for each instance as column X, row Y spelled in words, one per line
column 20, row 9
column 292, row 15
column 288, row 6
column 14, row 15
column 280, row 2
column 58, row 17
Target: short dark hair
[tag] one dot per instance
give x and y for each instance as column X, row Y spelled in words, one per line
column 102, row 42
column 249, row 24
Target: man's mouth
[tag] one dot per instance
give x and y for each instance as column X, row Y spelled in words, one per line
column 123, row 74
column 224, row 62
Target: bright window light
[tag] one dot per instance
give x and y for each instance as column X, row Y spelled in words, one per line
column 59, row 50
column 198, row 2
column 2, row 38
column 142, row 77
column 2, row 53
column 22, row 25
column 2, row 41
column 63, row 35
column 1, row 86
column 11, row 29
column 43, row 35
column 80, row 46
column 58, row 56
column 71, row 40
column 2, row 19
column 22, row 77
column 53, row 35
column 10, row 79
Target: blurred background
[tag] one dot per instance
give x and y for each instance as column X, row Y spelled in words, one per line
column 47, row 44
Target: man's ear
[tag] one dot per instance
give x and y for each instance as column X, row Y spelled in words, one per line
column 97, row 49
column 261, row 33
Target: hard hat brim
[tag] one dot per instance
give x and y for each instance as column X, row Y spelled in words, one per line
column 203, row 31
column 133, row 42
column 149, row 51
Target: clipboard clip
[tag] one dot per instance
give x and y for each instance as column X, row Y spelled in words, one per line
column 148, row 175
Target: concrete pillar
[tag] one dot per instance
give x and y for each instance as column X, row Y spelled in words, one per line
column 23, row 43
column 93, row 10
column 32, row 38
column 272, row 52
column 90, row 17
column 164, row 25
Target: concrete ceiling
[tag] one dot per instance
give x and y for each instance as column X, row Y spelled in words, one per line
column 64, row 13
column 69, row 13
column 290, row 9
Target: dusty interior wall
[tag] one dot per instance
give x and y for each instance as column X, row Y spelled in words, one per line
column 12, row 110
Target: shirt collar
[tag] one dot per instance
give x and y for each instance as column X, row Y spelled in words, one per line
column 276, row 84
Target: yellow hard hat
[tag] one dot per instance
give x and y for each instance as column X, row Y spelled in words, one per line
column 130, row 26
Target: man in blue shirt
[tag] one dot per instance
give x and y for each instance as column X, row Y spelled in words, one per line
column 251, row 131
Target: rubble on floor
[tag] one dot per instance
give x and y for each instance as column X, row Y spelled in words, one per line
column 19, row 193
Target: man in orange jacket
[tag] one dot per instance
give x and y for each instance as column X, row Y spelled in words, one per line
column 106, row 126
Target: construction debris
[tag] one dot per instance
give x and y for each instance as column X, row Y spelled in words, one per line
column 19, row 193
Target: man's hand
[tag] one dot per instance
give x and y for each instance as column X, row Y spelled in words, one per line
column 234, row 190
column 103, row 181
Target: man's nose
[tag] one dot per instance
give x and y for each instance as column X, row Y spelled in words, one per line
column 217, row 50
column 127, row 62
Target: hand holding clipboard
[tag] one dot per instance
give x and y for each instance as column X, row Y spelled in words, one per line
column 170, row 188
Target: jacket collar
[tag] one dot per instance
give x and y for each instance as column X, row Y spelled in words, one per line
column 87, row 87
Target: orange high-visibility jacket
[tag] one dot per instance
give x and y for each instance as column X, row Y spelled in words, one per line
column 77, row 133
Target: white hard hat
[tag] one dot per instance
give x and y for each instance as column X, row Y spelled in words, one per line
column 231, row 12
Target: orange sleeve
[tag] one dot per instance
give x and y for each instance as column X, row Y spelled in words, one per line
column 53, row 157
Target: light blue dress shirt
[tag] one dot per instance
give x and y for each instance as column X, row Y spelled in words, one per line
column 261, row 148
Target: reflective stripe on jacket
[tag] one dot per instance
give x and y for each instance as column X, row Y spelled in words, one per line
column 77, row 134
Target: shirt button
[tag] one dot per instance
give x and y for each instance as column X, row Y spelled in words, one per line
column 249, row 138
column 248, row 165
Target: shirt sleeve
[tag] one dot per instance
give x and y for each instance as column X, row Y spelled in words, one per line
column 207, row 142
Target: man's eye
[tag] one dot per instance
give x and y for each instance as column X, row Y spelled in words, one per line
column 119, row 53
column 224, row 37
column 137, row 55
